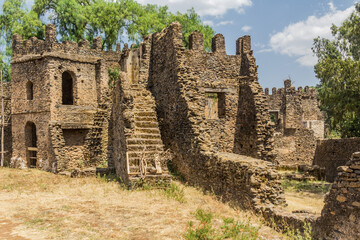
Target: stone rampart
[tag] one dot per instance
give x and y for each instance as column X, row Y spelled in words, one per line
column 210, row 106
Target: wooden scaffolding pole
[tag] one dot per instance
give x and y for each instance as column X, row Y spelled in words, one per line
column 2, row 121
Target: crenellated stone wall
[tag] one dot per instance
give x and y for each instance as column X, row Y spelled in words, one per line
column 298, row 123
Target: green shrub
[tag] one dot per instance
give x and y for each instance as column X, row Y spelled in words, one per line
column 230, row 229
column 176, row 192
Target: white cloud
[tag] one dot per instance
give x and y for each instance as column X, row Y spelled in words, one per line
column 223, row 23
column 202, row 7
column 297, row 38
column 332, row 6
column 265, row 50
column 246, row 28
column 209, row 22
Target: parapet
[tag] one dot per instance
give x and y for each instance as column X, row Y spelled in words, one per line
column 196, row 41
column 34, row 46
column 306, row 92
column 218, row 44
column 243, row 45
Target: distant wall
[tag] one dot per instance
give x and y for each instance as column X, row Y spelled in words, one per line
column 332, row 153
column 297, row 148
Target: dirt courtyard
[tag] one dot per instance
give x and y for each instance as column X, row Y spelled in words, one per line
column 40, row 205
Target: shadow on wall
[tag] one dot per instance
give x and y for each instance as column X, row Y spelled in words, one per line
column 245, row 132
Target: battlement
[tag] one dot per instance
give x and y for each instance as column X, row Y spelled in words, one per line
column 196, row 43
column 34, row 46
column 291, row 90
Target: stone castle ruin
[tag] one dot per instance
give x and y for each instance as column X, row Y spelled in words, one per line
column 78, row 110
column 299, row 123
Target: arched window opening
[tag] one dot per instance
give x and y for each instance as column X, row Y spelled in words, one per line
column 67, row 89
column 29, row 90
column 31, row 144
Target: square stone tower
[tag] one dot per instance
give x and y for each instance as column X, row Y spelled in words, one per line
column 59, row 107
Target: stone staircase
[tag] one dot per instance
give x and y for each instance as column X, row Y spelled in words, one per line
column 144, row 144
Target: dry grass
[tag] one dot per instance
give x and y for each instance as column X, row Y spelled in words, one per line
column 40, row 205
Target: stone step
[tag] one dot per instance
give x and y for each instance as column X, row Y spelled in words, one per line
column 144, row 101
column 145, row 118
column 143, row 107
column 138, row 141
column 140, row 154
column 147, row 130
column 136, row 161
column 146, row 124
column 146, row 148
column 146, row 136
column 145, row 113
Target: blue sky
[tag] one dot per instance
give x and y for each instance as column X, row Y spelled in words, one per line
column 282, row 31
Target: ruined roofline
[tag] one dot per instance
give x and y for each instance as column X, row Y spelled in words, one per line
column 289, row 89
column 35, row 46
column 196, row 43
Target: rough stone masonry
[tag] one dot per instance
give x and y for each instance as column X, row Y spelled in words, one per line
column 205, row 108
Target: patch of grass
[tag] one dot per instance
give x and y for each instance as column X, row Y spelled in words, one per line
column 171, row 191
column 307, row 234
column 174, row 191
column 307, row 186
column 35, row 221
column 230, row 229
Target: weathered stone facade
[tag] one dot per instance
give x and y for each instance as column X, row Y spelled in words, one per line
column 298, row 123
column 211, row 108
column 59, row 103
column 205, row 108
column 340, row 217
column 332, row 153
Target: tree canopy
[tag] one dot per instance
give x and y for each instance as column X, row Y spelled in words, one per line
column 338, row 69
column 115, row 21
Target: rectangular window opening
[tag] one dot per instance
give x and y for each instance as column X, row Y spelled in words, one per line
column 274, row 117
column 215, row 105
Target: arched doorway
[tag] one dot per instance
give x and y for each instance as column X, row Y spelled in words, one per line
column 31, row 144
column 67, row 89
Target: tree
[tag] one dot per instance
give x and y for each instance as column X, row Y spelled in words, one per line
column 16, row 19
column 338, row 69
column 79, row 19
column 75, row 20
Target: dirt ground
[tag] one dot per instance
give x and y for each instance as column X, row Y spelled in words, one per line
column 310, row 202
column 40, row 205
